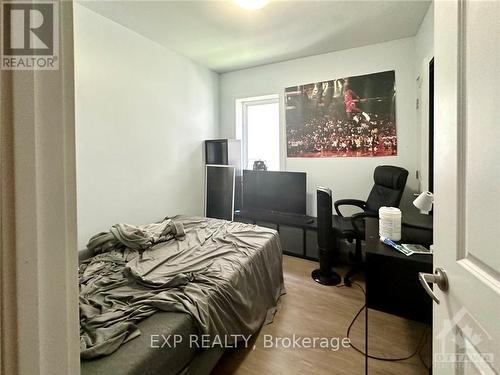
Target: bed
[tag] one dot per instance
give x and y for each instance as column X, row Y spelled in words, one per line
column 223, row 279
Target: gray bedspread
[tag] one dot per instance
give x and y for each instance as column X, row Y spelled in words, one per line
column 227, row 276
column 138, row 357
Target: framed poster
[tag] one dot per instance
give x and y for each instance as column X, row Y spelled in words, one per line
column 345, row 117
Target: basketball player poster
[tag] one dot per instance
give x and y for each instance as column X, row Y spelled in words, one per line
column 346, row 117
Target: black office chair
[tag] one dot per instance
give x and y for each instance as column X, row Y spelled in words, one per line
column 389, row 185
column 326, row 241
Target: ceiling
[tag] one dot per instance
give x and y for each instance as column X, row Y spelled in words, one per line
column 224, row 37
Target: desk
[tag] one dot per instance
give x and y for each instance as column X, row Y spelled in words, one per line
column 298, row 232
column 392, row 282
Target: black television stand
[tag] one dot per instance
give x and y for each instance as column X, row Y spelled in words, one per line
column 298, row 233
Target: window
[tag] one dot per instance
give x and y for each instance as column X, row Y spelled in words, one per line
column 259, row 131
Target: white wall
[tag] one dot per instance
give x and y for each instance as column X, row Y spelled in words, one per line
column 424, row 40
column 348, row 177
column 142, row 112
column 424, row 52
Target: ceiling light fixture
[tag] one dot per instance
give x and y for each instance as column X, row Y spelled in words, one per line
column 251, row 4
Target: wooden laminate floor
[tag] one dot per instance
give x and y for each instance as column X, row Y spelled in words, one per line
column 312, row 310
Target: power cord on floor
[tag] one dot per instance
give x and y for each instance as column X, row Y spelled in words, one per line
column 417, row 350
column 427, row 367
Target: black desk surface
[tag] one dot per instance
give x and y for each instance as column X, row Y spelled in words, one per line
column 375, row 246
column 411, row 218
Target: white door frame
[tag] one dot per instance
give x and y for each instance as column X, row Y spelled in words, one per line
column 8, row 308
column 423, row 116
column 43, row 182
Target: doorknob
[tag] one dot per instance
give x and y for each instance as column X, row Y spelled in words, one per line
column 439, row 278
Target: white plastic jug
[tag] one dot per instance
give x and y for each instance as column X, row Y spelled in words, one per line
column 390, row 223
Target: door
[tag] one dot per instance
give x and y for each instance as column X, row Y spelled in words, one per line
column 467, row 182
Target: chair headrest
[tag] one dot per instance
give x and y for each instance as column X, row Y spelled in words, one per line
column 390, row 176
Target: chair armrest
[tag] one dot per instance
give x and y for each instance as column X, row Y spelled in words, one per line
column 359, row 217
column 348, row 202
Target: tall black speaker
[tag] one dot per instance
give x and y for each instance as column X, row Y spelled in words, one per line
column 326, row 240
column 227, row 152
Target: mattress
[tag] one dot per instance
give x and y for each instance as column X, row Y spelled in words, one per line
column 231, row 277
column 138, row 356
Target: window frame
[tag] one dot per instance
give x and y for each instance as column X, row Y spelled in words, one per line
column 242, row 123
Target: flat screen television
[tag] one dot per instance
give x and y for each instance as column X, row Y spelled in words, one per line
column 275, row 191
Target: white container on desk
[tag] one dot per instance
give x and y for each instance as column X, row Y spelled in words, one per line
column 390, row 223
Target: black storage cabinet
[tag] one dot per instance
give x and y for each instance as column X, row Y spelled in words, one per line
column 227, row 152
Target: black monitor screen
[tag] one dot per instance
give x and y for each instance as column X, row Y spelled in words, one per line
column 275, row 191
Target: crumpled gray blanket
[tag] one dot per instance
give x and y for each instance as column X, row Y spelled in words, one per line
column 227, row 276
column 139, row 238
